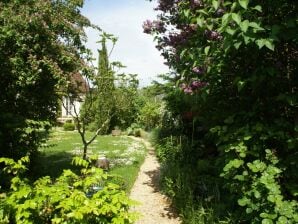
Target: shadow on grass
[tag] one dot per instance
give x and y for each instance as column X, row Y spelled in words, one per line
column 51, row 165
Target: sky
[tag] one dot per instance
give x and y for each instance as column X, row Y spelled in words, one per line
column 134, row 49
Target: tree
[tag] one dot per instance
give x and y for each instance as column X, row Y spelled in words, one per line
column 105, row 87
column 126, row 96
column 42, row 45
column 98, row 107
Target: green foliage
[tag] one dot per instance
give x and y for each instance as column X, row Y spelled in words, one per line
column 150, row 115
column 112, row 101
column 41, row 46
column 68, row 126
column 134, row 130
column 104, row 105
column 126, row 95
column 125, row 155
column 150, row 107
column 233, row 93
column 89, row 197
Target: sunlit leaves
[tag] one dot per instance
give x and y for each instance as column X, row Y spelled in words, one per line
column 88, row 197
column 243, row 3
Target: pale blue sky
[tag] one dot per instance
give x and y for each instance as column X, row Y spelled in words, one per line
column 124, row 19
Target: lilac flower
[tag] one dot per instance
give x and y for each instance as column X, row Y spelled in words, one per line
column 196, row 84
column 196, row 3
column 219, row 12
column 188, row 90
column 159, row 26
column 198, row 70
column 212, row 35
column 148, row 26
column 183, row 86
column 166, row 5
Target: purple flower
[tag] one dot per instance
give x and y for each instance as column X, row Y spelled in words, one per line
column 148, row 26
column 212, row 35
column 188, row 90
column 159, row 26
column 183, row 86
column 166, row 5
column 196, row 3
column 198, row 70
column 219, row 12
column 196, row 84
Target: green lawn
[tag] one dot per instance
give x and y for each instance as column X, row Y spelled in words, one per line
column 125, row 155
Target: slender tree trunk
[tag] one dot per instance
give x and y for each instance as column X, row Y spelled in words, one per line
column 85, row 151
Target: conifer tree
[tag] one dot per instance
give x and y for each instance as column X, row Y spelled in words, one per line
column 105, row 87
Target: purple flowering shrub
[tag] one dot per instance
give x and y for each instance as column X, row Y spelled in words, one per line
column 235, row 65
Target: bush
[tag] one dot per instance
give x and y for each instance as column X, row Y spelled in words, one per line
column 134, row 130
column 68, row 126
column 234, row 88
column 88, row 197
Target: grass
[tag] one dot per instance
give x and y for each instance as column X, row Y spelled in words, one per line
column 125, row 155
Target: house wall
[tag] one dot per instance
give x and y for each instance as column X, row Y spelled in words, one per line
column 68, row 109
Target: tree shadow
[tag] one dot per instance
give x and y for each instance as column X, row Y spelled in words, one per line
column 51, row 165
column 169, row 211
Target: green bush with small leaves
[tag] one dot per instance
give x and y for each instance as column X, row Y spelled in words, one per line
column 68, row 126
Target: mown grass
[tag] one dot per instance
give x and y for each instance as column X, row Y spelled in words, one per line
column 125, row 154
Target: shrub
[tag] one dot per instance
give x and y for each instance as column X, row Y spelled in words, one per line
column 68, row 126
column 235, row 63
column 87, row 197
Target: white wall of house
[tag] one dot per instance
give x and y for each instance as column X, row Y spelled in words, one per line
column 68, row 108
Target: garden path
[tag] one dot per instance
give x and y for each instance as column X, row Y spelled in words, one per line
column 155, row 208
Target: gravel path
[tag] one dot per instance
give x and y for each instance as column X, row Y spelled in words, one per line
column 155, row 207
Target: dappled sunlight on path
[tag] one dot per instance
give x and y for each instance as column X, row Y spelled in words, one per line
column 154, row 207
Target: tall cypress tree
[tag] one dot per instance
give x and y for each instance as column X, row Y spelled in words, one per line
column 105, row 103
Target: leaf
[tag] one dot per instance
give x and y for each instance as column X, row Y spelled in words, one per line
column 243, row 3
column 206, row 50
column 237, row 45
column 240, row 85
column 265, row 42
column 246, row 138
column 230, row 31
column 256, row 26
column 260, row 43
column 226, row 19
column 215, row 4
column 244, row 25
column 258, row 8
column 186, row 13
column 236, row 17
column 269, row 44
column 243, row 201
column 267, row 221
column 200, row 22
